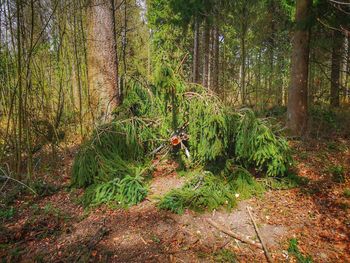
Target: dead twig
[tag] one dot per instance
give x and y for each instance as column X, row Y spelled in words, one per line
column 266, row 252
column 234, row 235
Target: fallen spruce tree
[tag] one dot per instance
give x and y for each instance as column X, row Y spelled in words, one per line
column 115, row 163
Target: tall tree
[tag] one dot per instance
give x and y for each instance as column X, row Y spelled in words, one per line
column 102, row 57
column 215, row 66
column 335, row 70
column 195, row 68
column 297, row 111
column 205, row 51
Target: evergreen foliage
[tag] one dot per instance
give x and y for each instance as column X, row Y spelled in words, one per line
column 208, row 191
column 257, row 145
column 125, row 192
column 242, row 182
column 207, row 127
column 109, row 164
column 113, row 149
column 203, row 191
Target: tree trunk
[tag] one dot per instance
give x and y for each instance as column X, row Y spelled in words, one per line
column 297, row 97
column 20, row 91
column 102, row 57
column 271, row 48
column 335, row 70
column 243, row 69
column 215, row 69
column 206, row 38
column 195, row 70
column 124, row 45
column 347, row 71
column 243, row 54
column 345, row 59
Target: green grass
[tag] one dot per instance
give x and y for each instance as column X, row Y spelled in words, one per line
column 7, row 213
column 346, row 192
column 225, row 256
column 295, row 252
column 337, row 172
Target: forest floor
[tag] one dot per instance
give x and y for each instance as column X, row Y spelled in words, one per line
column 55, row 227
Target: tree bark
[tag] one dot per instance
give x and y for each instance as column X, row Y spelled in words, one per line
column 20, row 90
column 347, row 70
column 243, row 55
column 102, row 58
column 335, row 70
column 344, row 66
column 298, row 91
column 206, row 38
column 215, row 69
column 195, row 69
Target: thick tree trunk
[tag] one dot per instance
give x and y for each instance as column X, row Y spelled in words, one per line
column 102, row 57
column 195, row 69
column 205, row 40
column 335, row 71
column 297, row 97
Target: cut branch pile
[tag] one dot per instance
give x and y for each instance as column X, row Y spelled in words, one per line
column 146, row 121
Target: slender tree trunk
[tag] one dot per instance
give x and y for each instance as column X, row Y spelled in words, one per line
column 297, row 98
column 258, row 85
column 345, row 59
column 77, row 76
column 335, row 70
column 215, row 70
column 244, row 26
column 102, row 57
column 195, row 69
column 124, row 43
column 211, row 59
column 347, row 73
column 271, row 48
column 243, row 67
column 20, row 92
column 311, row 91
column 205, row 50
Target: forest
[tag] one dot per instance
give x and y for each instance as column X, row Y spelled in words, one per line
column 175, row 131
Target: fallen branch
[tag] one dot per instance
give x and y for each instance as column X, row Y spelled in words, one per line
column 93, row 241
column 267, row 254
column 17, row 181
column 234, row 235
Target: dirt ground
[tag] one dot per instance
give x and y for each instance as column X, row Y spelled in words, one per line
column 55, row 228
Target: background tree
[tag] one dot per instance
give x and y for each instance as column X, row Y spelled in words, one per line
column 102, row 57
column 297, row 98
